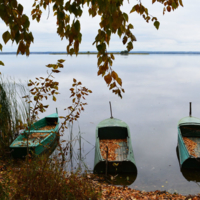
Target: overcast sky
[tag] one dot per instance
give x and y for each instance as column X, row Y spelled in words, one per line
column 179, row 30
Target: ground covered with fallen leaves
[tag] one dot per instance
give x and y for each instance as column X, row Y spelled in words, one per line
column 191, row 145
column 110, row 191
column 112, row 146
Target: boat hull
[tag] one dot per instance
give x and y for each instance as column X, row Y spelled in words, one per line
column 37, row 147
column 21, row 152
column 114, row 129
column 186, row 160
column 115, row 167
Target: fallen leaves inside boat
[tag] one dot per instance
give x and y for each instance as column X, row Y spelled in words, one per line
column 113, row 145
column 42, row 135
column 47, row 127
column 191, row 145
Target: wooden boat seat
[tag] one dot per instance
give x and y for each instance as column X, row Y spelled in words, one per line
column 122, row 151
column 197, row 141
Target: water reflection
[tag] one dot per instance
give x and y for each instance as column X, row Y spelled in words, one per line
column 124, row 179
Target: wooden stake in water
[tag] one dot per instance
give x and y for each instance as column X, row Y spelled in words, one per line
column 80, row 159
column 190, row 109
column 71, row 148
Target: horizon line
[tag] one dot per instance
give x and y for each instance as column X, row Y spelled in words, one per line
column 87, row 52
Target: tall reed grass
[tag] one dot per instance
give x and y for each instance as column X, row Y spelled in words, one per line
column 13, row 112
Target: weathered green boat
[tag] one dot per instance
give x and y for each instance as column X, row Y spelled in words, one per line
column 189, row 174
column 42, row 138
column 112, row 129
column 189, row 128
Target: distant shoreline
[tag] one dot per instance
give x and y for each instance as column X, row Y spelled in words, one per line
column 114, row 52
column 94, row 53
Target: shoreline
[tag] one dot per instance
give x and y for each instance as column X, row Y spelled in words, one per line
column 95, row 53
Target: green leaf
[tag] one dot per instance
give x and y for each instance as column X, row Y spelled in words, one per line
column 71, row 51
column 181, row 3
column 17, row 37
column 1, row 63
column 25, row 21
column 119, row 32
column 77, row 25
column 133, row 38
column 99, row 61
column 112, row 85
column 34, row 4
column 133, row 9
column 76, row 46
column 130, row 26
column 61, row 61
column 174, row 5
column 54, row 98
column 6, row 36
column 129, row 46
column 79, row 37
column 125, row 39
column 125, row 16
column 157, row 24
column 112, row 56
column 55, row 71
column 20, row 9
column 101, row 48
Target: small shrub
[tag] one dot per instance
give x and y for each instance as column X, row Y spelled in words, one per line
column 45, row 179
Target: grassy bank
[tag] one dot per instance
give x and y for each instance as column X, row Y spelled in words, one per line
column 44, row 178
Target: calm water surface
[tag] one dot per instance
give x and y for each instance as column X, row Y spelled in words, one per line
column 158, row 91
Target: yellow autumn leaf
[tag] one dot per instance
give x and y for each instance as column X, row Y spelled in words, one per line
column 114, row 75
column 108, row 78
column 119, row 81
column 54, row 98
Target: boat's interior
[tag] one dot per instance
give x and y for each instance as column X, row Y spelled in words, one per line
column 192, row 132
column 122, row 151
column 44, row 122
column 116, row 139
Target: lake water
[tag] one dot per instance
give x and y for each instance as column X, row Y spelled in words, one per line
column 158, row 89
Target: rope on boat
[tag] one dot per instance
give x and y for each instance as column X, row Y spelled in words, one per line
column 87, row 141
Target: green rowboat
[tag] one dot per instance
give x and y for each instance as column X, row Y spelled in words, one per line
column 189, row 130
column 189, row 174
column 112, row 129
column 42, row 137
